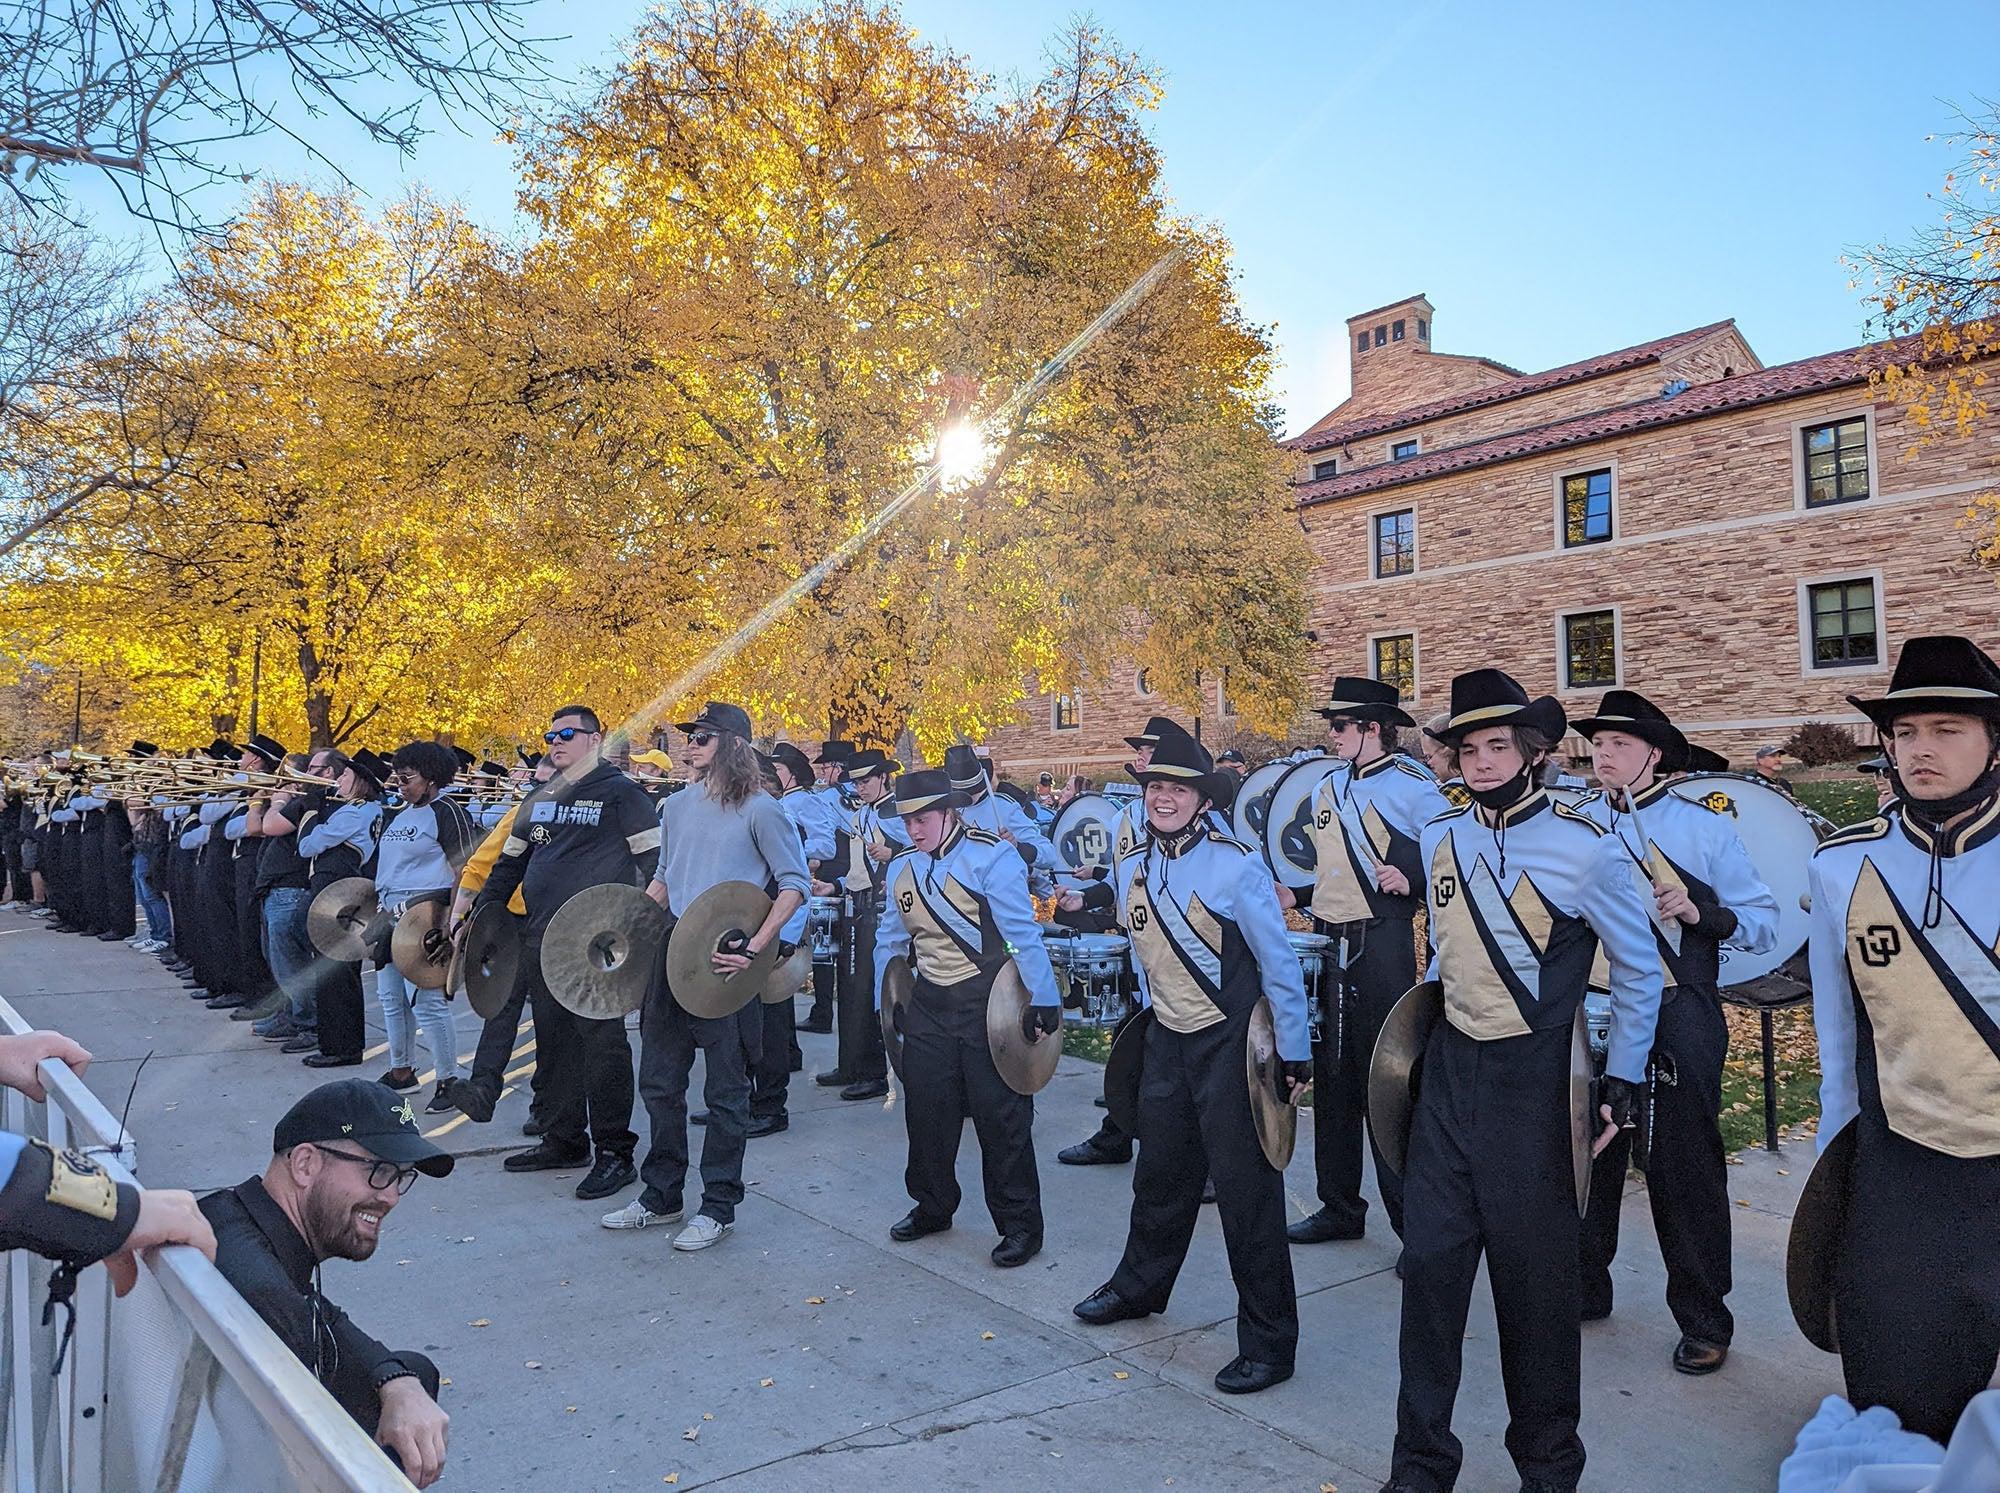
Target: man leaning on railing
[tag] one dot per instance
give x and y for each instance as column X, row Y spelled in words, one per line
column 65, row 1206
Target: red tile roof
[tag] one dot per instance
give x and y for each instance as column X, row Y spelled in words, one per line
column 1320, row 436
column 1788, row 380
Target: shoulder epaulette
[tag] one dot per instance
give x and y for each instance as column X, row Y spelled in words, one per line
column 1231, row 841
column 1594, row 796
column 1854, row 834
column 1455, row 812
column 1414, row 769
column 983, row 836
column 1564, row 811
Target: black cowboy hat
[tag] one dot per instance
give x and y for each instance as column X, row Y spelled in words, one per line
column 966, row 772
column 1156, row 727
column 1941, row 673
column 145, row 749
column 1179, row 758
column 1631, row 712
column 718, row 715
column 222, row 749
column 270, row 750
column 833, row 751
column 794, row 762
column 465, row 758
column 370, row 766
column 1491, row 697
column 1697, row 759
column 1365, row 700
column 926, row 788
column 870, row 761
column 492, row 769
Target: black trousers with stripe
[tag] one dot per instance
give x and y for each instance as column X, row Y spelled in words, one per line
column 1382, row 961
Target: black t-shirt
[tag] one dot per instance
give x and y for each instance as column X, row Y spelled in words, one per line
column 279, row 863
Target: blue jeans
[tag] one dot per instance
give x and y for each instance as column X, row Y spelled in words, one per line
column 289, row 951
column 431, row 1013
column 159, row 918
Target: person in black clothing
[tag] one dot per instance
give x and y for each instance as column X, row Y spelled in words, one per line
column 338, row 841
column 589, row 826
column 344, row 1156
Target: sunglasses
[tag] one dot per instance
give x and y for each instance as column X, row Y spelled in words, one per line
column 702, row 738
column 567, row 733
column 1341, row 723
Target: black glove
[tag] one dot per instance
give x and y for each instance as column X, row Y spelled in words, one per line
column 1291, row 1072
column 437, row 946
column 1621, row 1097
column 1041, row 1021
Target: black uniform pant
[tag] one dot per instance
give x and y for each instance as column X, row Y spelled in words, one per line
column 1489, row 1172
column 1686, row 1174
column 585, row 1068
column 1381, row 965
column 120, row 900
column 343, row 1023
column 862, row 1056
column 89, row 880
column 949, row 1077
column 254, row 977
column 1195, row 1123
column 826, row 984
column 499, row 1035
column 668, row 1037
column 771, row 1072
column 1916, row 1293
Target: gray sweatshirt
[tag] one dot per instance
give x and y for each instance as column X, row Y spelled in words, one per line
column 702, row 843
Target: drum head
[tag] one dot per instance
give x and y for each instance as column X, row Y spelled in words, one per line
column 1253, row 802
column 1083, row 832
column 1781, row 841
column 1288, row 842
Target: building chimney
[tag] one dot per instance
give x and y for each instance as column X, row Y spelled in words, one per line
column 1383, row 344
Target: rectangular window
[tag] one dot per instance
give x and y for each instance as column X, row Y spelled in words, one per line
column 1836, row 457
column 1325, row 469
column 1423, row 330
column 1402, row 450
column 1361, row 342
column 1381, row 336
column 1842, row 616
column 1395, row 662
column 1590, row 650
column 1396, row 331
column 1065, row 716
column 1587, row 508
column 1395, row 543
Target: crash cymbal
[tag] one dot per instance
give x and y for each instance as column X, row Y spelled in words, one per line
column 1123, row 1068
column 789, row 975
column 1277, row 1118
column 406, row 945
column 1393, row 1069
column 1584, row 1121
column 1025, row 1067
column 1812, row 1253
column 489, row 958
column 338, row 915
column 601, row 950
column 729, row 910
column 899, row 987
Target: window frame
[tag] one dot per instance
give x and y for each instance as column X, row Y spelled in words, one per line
column 1361, row 340
column 1330, row 462
column 1396, row 330
column 1801, row 479
column 1415, row 443
column 1808, row 669
column 1141, row 685
column 1563, row 619
column 1375, row 639
column 1375, row 517
column 1075, row 700
column 1562, row 479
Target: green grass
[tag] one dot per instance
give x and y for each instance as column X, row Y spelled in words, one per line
column 1843, row 800
column 1092, row 1042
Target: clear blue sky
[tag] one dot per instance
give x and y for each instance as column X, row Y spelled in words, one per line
column 1561, row 178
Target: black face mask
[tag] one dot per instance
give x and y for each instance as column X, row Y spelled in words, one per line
column 1507, row 794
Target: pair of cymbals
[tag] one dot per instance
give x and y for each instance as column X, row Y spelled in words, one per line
column 601, row 951
column 1024, row 1066
column 408, row 949
column 1274, row 1112
column 486, row 959
column 337, row 919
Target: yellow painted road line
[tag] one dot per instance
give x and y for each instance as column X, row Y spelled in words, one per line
column 457, row 1120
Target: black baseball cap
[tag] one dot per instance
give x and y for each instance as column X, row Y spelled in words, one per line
column 364, row 1112
column 719, row 715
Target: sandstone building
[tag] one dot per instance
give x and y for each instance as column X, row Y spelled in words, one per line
column 1746, row 545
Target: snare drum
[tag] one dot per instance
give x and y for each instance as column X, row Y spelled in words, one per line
column 823, row 928
column 1098, row 978
column 1311, row 949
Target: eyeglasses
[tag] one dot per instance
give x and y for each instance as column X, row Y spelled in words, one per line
column 381, row 1174
column 701, row 738
column 567, row 733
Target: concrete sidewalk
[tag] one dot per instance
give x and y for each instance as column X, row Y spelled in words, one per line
column 808, row 1349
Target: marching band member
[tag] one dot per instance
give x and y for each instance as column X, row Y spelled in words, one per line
column 1521, row 892
column 999, row 815
column 875, row 835
column 1208, row 941
column 958, row 907
column 1442, row 761
column 1906, row 1004
column 723, row 828
column 829, row 771
column 1706, row 893
column 1366, row 820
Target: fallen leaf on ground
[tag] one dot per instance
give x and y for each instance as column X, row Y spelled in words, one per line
column 569, row 1409
column 672, row 1477
column 480, row 1322
column 815, row 1301
column 1783, row 1173
column 766, row 1383
column 692, row 1433
column 1120, row 1374
column 533, row 1363
column 706, row 1416
column 985, row 1337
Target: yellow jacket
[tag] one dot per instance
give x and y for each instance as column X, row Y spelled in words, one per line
column 472, row 880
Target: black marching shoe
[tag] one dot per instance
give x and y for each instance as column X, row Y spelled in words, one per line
column 227, row 1002
column 1104, row 1306
column 1016, row 1249
column 1696, row 1355
column 700, row 1118
column 613, row 1173
column 331, row 1060
column 834, row 1080
column 769, row 1125
column 1322, row 1228
column 546, row 1158
column 399, row 1079
column 867, row 1088
column 910, row 1227
column 441, row 1097
column 1245, row 1376
column 302, row 1042
column 1095, row 1152
column 817, row 1023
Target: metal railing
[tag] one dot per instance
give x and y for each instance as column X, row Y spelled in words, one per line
column 178, row 1388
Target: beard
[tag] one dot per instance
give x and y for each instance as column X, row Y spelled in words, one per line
column 337, row 1232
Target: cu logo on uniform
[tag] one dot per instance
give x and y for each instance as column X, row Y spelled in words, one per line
column 1879, row 944
column 1325, row 818
column 539, row 834
column 1445, row 890
column 906, row 901
column 1140, row 918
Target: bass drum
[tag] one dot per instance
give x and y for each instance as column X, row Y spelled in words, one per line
column 1083, row 832
column 1253, row 802
column 1288, row 842
column 1781, row 838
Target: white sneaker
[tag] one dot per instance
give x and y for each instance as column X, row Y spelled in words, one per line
column 152, row 946
column 701, row 1232
column 636, row 1215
